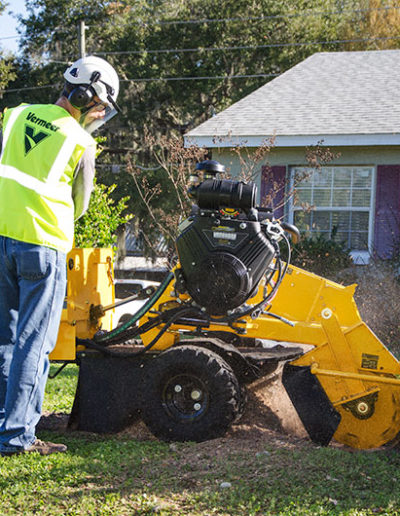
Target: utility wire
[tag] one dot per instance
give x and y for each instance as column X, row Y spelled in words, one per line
column 219, row 77
column 150, row 79
column 12, row 90
column 11, row 37
column 244, row 47
column 273, row 16
column 158, row 79
column 237, row 19
column 257, row 18
column 117, row 166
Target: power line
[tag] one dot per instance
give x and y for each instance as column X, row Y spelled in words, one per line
column 160, row 79
column 236, row 19
column 219, row 77
column 118, row 166
column 11, row 37
column 29, row 88
column 275, row 16
column 244, row 47
column 258, row 18
column 157, row 79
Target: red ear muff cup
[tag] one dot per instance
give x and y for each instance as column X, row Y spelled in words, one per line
column 81, row 96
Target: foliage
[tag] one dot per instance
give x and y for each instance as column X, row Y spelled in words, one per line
column 7, row 69
column 320, row 255
column 379, row 22
column 165, row 199
column 97, row 228
column 163, row 195
column 7, row 72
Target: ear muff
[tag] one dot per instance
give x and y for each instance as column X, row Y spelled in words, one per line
column 81, row 96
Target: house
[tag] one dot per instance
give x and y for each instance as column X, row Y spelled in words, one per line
column 350, row 101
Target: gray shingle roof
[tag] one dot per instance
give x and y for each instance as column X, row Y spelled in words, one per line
column 329, row 93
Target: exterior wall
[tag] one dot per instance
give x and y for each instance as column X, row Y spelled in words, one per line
column 385, row 160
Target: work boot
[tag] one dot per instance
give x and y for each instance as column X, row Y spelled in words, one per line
column 41, row 447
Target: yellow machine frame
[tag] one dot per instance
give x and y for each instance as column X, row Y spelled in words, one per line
column 90, row 282
column 357, row 372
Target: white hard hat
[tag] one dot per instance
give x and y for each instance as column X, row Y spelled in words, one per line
column 93, row 76
column 97, row 73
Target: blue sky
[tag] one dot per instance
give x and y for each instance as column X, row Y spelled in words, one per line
column 8, row 25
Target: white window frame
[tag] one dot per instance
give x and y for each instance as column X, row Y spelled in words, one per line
column 358, row 256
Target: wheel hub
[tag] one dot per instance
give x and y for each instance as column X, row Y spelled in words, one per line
column 185, row 397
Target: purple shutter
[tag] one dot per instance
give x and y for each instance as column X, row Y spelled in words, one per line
column 273, row 182
column 387, row 210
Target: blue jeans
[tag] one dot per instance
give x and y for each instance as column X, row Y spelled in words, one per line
column 32, row 290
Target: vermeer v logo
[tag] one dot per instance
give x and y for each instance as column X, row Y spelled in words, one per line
column 33, row 137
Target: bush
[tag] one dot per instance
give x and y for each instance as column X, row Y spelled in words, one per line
column 97, row 228
column 321, row 256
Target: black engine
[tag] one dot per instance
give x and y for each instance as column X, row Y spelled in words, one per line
column 227, row 245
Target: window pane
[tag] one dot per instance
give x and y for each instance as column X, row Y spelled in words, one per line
column 342, row 178
column 341, row 220
column 362, row 178
column 323, row 178
column 360, row 221
column 322, row 197
column 322, row 221
column 342, row 237
column 359, row 240
column 302, row 219
column 361, row 198
column 341, row 197
column 302, row 195
column 302, row 176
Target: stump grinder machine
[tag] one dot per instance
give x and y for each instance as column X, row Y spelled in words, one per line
column 230, row 312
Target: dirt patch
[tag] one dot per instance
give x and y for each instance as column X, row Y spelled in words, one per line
column 269, row 408
column 269, row 419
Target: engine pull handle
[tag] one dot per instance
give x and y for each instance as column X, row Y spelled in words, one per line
column 293, row 230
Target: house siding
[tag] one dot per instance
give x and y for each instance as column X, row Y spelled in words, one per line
column 387, row 210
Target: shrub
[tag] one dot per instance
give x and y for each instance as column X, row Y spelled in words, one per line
column 321, row 256
column 97, row 228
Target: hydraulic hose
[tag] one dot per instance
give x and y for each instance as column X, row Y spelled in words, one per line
column 140, row 313
column 88, row 343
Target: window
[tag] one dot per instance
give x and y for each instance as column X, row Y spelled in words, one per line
column 335, row 202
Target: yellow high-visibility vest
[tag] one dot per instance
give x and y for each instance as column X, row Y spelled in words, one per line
column 42, row 144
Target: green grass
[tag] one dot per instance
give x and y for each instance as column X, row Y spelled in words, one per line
column 60, row 391
column 119, row 475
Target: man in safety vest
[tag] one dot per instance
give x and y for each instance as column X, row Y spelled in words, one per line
column 46, row 177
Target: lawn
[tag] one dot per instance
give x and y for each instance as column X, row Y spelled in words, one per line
column 122, row 474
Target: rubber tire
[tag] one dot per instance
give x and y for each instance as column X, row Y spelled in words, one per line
column 244, row 396
column 206, row 368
